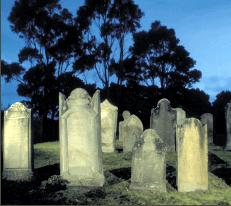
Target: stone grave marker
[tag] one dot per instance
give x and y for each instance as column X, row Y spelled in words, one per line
column 192, row 156
column 148, row 163
column 163, row 120
column 17, row 143
column 207, row 118
column 109, row 114
column 132, row 130
column 228, row 126
column 126, row 114
column 80, row 142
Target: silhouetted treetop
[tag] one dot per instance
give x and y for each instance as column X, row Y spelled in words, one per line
column 161, row 58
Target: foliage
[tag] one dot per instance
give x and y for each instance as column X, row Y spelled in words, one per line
column 160, row 58
column 107, row 23
column 11, row 71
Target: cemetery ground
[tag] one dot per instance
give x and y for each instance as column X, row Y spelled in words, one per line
column 49, row 188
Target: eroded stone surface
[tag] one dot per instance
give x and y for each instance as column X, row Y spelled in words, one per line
column 148, row 163
column 192, row 156
column 80, row 143
column 17, row 143
column 132, row 130
column 228, row 126
column 109, row 114
column 163, row 120
column 207, row 118
column 126, row 114
column 180, row 116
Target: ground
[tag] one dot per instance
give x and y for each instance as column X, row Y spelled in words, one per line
column 49, row 188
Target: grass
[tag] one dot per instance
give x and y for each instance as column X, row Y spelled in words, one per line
column 116, row 191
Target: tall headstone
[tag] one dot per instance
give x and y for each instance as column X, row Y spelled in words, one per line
column 17, row 144
column 163, row 120
column 192, row 156
column 126, row 114
column 228, row 126
column 109, row 114
column 180, row 116
column 148, row 163
column 207, row 118
column 80, row 142
column 132, row 130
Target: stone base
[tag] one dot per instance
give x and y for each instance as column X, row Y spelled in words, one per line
column 17, row 174
column 108, row 149
column 192, row 188
column 151, row 187
column 228, row 147
column 96, row 180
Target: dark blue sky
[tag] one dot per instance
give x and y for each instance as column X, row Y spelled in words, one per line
column 203, row 27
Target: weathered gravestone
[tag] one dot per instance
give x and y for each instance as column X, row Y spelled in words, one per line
column 132, row 130
column 148, row 163
column 80, row 142
column 192, row 156
column 126, row 114
column 163, row 120
column 207, row 118
column 228, row 126
column 180, row 116
column 17, row 143
column 109, row 114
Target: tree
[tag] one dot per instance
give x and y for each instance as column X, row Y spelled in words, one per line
column 161, row 60
column 53, row 41
column 106, row 24
column 11, row 71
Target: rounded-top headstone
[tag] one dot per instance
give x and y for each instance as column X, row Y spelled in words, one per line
column 150, row 135
column 126, row 114
column 133, row 120
column 148, row 163
column 163, row 104
column 77, row 97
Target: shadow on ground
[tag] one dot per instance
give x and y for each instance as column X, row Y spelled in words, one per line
column 223, row 173
column 122, row 173
column 45, row 172
column 171, row 175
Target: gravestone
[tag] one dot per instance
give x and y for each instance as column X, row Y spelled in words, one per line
column 132, row 130
column 126, row 114
column 180, row 116
column 192, row 156
column 109, row 114
column 17, row 144
column 228, row 125
column 80, row 142
column 148, row 163
column 163, row 120
column 207, row 118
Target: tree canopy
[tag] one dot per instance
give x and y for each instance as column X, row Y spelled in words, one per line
column 160, row 58
column 135, row 68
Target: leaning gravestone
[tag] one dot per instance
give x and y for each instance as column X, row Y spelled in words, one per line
column 132, row 130
column 192, row 156
column 109, row 114
column 126, row 114
column 163, row 120
column 17, row 143
column 80, row 142
column 228, row 126
column 207, row 118
column 180, row 116
column 148, row 163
